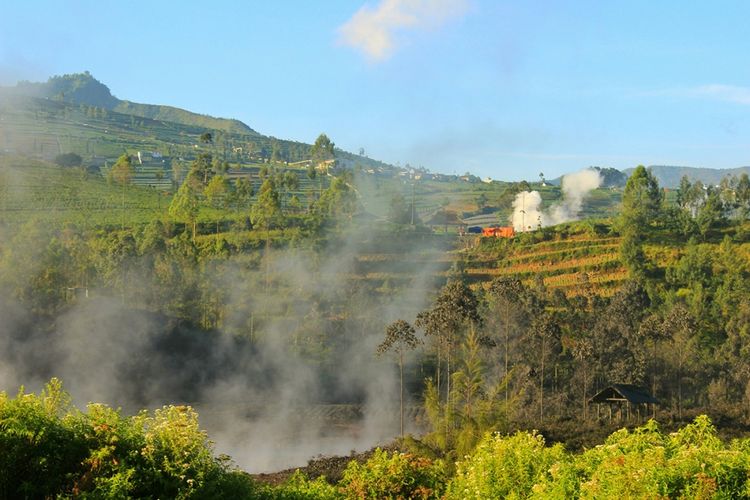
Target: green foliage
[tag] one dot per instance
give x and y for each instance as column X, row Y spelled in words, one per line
column 122, row 171
column 394, row 475
column 40, row 442
column 322, row 150
column 51, row 449
column 642, row 198
column 505, row 467
column 267, row 210
column 68, row 160
column 643, row 463
column 299, row 487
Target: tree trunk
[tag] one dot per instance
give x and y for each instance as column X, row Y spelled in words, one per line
column 401, row 374
column 541, row 387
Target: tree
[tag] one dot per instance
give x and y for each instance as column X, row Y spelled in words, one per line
column 177, row 170
column 122, row 173
column 322, row 150
column 641, row 204
column 482, row 201
column 507, row 293
column 641, row 199
column 399, row 337
column 710, row 213
column 69, row 160
column 267, row 209
column 207, row 138
column 243, row 191
column 203, row 168
column 217, row 194
column 544, row 338
column 185, row 204
column 339, row 200
column 455, row 306
column 743, row 196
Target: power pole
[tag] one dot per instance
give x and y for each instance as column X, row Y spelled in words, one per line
column 412, row 202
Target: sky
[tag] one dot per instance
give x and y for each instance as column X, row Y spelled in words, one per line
column 505, row 89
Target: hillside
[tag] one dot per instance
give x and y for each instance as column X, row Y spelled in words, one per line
column 71, row 113
column 580, row 258
column 83, row 88
column 669, row 176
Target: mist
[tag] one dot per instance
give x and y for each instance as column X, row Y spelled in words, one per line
column 291, row 373
column 529, row 214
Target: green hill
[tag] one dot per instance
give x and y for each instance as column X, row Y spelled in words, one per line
column 669, row 176
column 77, row 113
column 82, row 88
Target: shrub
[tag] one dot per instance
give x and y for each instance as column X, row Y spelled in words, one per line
column 49, row 449
column 40, row 452
column 394, row 475
column 504, row 467
column 299, row 487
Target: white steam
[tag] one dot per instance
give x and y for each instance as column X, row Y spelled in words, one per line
column 528, row 213
column 293, row 371
column 374, row 30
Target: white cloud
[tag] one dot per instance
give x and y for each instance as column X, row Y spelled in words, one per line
column 375, row 31
column 730, row 93
column 716, row 91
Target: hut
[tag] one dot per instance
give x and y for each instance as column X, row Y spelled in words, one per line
column 626, row 401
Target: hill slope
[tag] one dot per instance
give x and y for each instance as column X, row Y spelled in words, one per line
column 669, row 176
column 82, row 88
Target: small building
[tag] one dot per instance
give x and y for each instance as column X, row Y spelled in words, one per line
column 499, row 232
column 625, row 401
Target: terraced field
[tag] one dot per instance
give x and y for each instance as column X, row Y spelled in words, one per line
column 574, row 264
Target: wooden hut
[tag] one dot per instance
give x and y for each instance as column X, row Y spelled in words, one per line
column 625, row 401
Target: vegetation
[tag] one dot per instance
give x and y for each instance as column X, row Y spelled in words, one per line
column 237, row 246
column 51, row 449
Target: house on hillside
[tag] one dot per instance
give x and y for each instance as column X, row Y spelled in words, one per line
column 625, row 402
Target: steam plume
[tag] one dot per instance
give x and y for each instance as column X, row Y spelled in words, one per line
column 527, row 206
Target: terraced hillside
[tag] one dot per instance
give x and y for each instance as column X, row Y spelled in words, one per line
column 37, row 189
column 30, row 188
column 574, row 262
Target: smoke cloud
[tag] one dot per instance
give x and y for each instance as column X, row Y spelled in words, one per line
column 528, row 213
column 374, row 31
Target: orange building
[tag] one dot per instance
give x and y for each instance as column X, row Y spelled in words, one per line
column 499, row 232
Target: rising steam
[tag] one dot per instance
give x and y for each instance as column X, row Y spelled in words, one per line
column 266, row 402
column 528, row 213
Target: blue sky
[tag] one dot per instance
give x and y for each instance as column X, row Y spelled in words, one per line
column 500, row 88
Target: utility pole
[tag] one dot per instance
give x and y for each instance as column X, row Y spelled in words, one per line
column 412, row 202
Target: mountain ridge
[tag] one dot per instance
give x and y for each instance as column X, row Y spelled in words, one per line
column 83, row 88
column 669, row 175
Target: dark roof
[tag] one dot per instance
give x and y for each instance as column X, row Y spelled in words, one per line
column 624, row 392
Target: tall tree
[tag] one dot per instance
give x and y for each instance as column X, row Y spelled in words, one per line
column 122, row 173
column 322, row 150
column 185, row 204
column 400, row 337
column 217, row 194
column 641, row 204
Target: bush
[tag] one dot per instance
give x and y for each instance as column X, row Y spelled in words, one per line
column 41, row 448
column 504, row 467
column 394, row 475
column 50, row 449
column 298, row 487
